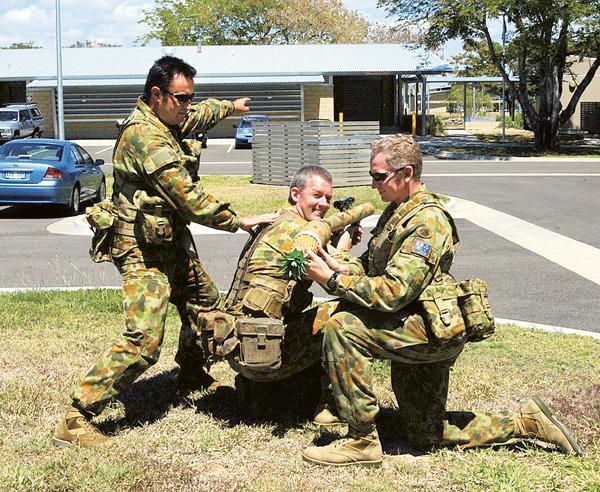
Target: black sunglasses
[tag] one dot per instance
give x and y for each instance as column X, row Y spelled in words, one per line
column 182, row 97
column 383, row 176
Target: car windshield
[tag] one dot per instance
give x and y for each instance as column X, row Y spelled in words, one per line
column 9, row 115
column 31, row 150
column 245, row 123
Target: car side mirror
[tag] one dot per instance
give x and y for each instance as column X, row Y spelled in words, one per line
column 99, row 162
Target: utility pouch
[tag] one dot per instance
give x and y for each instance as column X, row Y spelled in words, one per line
column 475, row 307
column 267, row 295
column 101, row 218
column 155, row 228
column 438, row 304
column 260, row 343
column 216, row 332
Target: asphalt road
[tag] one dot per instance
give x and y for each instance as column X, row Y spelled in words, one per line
column 523, row 285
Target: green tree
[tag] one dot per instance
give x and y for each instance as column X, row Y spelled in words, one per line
column 27, row 45
column 183, row 22
column 545, row 38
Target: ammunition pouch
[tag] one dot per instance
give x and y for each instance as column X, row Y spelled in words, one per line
column 475, row 307
column 438, row 305
column 216, row 333
column 154, row 227
column 101, row 218
column 275, row 297
column 260, row 343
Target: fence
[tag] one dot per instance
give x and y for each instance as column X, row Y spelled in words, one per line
column 280, row 149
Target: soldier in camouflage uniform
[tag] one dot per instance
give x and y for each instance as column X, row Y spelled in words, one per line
column 379, row 316
column 259, row 275
column 156, row 194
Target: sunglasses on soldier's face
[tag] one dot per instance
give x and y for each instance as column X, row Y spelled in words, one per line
column 182, row 97
column 383, row 176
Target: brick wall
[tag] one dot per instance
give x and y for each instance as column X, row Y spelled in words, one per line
column 318, row 102
column 45, row 100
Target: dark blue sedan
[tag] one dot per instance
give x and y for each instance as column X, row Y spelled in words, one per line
column 45, row 171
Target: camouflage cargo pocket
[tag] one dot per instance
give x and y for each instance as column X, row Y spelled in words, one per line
column 260, row 343
column 475, row 306
column 439, row 308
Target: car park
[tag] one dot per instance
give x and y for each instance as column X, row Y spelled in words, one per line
column 20, row 120
column 244, row 129
column 49, row 172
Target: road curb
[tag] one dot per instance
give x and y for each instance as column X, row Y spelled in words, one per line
column 521, row 324
column 461, row 156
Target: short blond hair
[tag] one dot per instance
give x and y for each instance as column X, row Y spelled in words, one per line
column 400, row 151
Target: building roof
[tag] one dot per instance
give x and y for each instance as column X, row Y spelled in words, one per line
column 203, row 81
column 222, row 61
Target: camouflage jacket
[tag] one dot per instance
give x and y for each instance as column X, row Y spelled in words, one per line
column 154, row 165
column 403, row 255
column 261, row 260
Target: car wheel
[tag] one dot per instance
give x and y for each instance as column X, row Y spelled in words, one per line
column 74, row 205
column 101, row 195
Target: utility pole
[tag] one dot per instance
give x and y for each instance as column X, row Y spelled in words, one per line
column 59, row 80
column 503, row 80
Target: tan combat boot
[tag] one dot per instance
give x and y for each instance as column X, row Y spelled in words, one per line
column 355, row 449
column 326, row 417
column 537, row 421
column 76, row 429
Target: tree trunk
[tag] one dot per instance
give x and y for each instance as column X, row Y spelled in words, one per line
column 546, row 138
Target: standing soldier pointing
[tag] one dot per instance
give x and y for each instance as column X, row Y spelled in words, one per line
column 156, row 194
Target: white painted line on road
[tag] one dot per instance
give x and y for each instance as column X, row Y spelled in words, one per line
column 527, row 175
column 230, row 148
column 521, row 324
column 578, row 257
column 103, row 150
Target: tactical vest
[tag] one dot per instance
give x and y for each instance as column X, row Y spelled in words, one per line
column 142, row 212
column 262, row 295
column 390, row 233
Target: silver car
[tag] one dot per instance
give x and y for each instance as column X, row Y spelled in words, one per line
column 20, row 120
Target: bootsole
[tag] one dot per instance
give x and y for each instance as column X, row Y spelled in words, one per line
column 548, row 413
column 326, row 463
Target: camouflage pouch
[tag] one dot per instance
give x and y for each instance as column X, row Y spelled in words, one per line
column 267, row 295
column 475, row 307
column 438, row 304
column 155, row 229
column 260, row 343
column 215, row 329
column 101, row 218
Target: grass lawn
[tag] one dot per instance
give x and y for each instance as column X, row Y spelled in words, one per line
column 247, row 198
column 48, row 340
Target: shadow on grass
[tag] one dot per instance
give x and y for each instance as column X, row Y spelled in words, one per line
column 150, row 399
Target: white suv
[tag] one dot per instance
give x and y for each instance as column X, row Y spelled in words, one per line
column 20, row 120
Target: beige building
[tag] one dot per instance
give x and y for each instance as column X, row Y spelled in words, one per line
column 587, row 114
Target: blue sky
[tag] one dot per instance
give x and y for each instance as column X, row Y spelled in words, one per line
column 109, row 21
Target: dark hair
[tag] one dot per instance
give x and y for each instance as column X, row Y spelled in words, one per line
column 302, row 176
column 162, row 72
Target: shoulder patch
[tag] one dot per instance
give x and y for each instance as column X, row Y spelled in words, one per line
column 421, row 248
column 424, row 232
column 160, row 159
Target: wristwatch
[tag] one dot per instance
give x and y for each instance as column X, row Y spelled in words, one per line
column 332, row 281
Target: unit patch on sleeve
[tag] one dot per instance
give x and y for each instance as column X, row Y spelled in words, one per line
column 421, row 248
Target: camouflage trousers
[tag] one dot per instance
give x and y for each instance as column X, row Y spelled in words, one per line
column 300, row 349
column 420, row 374
column 152, row 277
